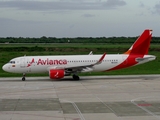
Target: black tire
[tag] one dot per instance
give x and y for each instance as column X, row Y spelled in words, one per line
column 75, row 77
column 23, row 78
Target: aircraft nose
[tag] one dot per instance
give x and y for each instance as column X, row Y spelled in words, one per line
column 4, row 67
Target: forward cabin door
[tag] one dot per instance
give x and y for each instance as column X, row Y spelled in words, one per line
column 24, row 65
column 22, row 62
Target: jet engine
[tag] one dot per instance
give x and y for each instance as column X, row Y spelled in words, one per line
column 56, row 74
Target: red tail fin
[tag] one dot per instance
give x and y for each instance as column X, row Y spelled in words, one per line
column 142, row 44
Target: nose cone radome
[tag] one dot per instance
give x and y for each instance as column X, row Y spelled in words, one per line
column 5, row 68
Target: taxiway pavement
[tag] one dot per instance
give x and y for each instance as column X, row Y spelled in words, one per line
column 131, row 97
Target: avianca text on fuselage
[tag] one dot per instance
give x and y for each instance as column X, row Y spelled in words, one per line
column 48, row 62
column 51, row 62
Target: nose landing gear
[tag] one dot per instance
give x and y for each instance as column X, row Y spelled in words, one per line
column 24, row 77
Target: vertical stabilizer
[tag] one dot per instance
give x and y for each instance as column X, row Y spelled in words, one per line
column 142, row 44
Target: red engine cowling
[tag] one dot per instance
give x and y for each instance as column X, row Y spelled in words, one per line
column 56, row 74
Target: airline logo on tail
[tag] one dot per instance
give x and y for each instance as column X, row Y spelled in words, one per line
column 136, row 51
column 142, row 44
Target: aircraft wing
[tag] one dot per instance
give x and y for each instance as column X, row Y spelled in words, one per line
column 85, row 68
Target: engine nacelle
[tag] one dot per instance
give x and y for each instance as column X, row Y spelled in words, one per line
column 56, row 74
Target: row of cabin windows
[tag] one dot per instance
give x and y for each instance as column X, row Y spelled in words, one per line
column 93, row 61
column 87, row 61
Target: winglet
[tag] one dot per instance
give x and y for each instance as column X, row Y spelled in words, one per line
column 101, row 59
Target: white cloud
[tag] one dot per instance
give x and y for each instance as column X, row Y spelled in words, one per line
column 114, row 3
column 142, row 4
column 157, row 8
column 88, row 15
column 77, row 18
column 62, row 4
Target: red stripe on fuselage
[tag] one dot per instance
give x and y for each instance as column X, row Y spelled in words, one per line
column 130, row 61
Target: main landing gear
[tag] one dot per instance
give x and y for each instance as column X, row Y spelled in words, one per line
column 24, row 77
column 75, row 77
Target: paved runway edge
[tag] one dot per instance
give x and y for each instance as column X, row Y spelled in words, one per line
column 91, row 77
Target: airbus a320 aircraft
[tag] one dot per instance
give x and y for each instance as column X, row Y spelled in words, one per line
column 60, row 66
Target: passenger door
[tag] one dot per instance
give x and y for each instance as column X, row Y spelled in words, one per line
column 22, row 62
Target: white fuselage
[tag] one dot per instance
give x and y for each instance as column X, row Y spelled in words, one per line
column 42, row 64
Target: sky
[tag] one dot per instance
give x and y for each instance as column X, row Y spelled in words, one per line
column 78, row 18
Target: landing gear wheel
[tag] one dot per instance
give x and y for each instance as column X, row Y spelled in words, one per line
column 75, row 77
column 23, row 78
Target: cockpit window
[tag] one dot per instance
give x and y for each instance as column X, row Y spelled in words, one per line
column 12, row 62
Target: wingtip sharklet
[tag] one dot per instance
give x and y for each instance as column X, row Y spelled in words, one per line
column 101, row 59
column 103, row 56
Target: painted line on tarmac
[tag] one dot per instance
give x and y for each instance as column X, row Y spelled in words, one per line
column 76, row 108
column 142, row 107
column 100, row 100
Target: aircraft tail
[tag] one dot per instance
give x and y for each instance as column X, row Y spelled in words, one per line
column 142, row 44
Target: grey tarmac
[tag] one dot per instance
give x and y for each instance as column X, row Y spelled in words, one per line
column 120, row 97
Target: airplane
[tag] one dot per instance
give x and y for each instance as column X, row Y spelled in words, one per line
column 64, row 65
